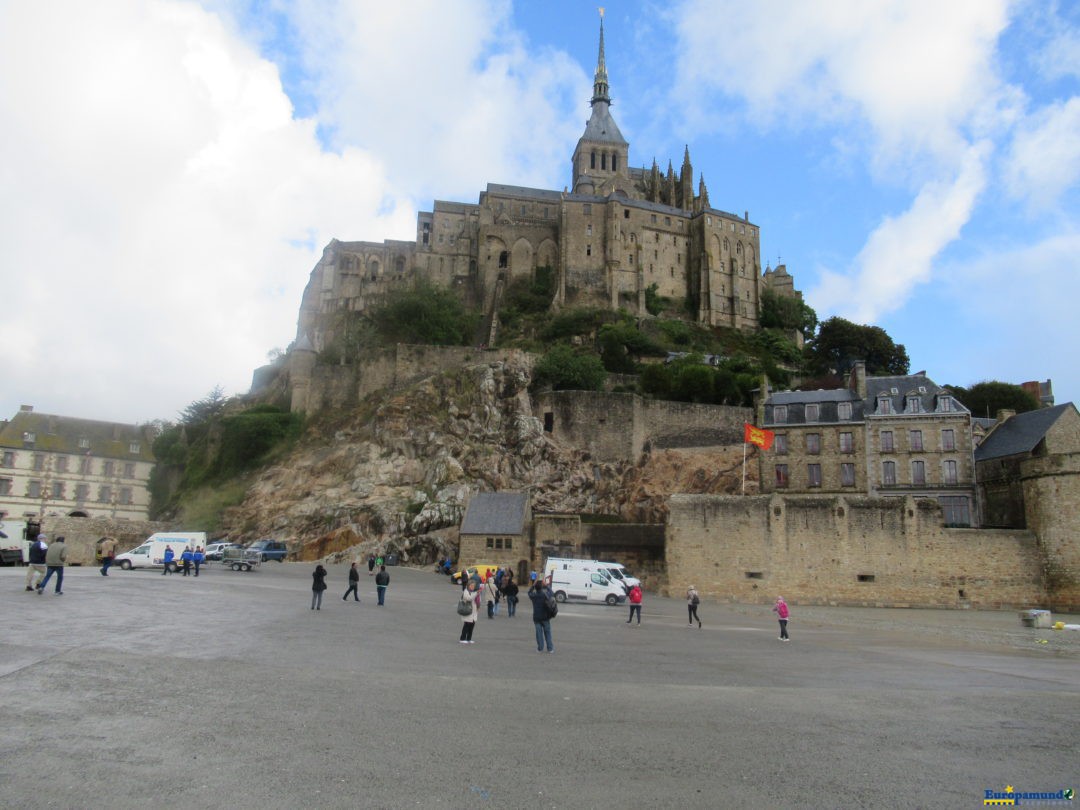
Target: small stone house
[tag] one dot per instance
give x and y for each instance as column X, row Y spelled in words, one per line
column 496, row 530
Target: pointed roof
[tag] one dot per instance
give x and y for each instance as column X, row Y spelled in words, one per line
column 601, row 126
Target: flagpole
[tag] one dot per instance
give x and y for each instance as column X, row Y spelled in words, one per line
column 743, row 492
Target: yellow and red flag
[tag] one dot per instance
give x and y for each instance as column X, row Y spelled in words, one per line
column 758, row 436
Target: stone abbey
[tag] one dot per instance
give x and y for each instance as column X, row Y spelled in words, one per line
column 616, row 232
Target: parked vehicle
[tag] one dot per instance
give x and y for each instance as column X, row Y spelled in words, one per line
column 270, row 549
column 14, row 547
column 586, row 586
column 214, row 551
column 151, row 554
column 239, row 558
column 612, row 570
column 483, row 569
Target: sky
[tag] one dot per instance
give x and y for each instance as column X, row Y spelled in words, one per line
column 172, row 169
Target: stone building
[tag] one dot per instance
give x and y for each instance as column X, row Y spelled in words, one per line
column 616, row 232
column 890, row 436
column 61, row 465
column 497, row 530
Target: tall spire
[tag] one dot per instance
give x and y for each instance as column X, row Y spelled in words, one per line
column 600, row 80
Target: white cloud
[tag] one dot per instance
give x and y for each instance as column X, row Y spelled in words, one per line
column 1044, row 160
column 160, row 208
column 900, row 252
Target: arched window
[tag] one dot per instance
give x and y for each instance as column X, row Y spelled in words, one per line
column 603, row 160
column 373, row 267
column 615, row 162
column 592, row 161
column 504, row 259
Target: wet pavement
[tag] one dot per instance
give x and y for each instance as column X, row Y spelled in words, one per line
column 141, row 690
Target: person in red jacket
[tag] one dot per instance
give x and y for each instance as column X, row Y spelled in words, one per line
column 635, row 603
column 782, row 612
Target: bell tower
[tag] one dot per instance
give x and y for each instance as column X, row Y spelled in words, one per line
column 602, row 153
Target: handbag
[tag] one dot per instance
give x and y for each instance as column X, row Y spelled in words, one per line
column 463, row 608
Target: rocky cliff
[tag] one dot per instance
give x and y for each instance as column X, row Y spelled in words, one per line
column 396, row 472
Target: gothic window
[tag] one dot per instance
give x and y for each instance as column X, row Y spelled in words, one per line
column 727, row 248
column 373, row 266
column 592, row 160
column 603, row 161
column 615, row 162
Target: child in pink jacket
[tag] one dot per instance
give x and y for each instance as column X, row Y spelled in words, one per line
column 781, row 610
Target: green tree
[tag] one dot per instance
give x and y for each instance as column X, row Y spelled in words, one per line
column 425, row 314
column 564, row 369
column 786, row 312
column 988, row 397
column 205, row 409
column 839, row 342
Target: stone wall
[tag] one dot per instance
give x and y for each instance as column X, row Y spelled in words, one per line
column 846, row 551
column 618, row 426
column 1052, row 506
column 81, row 534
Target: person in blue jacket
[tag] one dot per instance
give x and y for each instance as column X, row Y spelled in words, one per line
column 540, row 593
column 199, row 557
column 168, row 557
column 186, row 557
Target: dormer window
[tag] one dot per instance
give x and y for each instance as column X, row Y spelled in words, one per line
column 779, row 413
column 913, row 405
column 843, row 411
column 29, row 436
column 84, row 443
column 946, row 404
column 813, row 412
column 133, row 447
column 884, row 405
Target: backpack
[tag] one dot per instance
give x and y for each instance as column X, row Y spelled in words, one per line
column 552, row 605
column 463, row 608
column 696, row 600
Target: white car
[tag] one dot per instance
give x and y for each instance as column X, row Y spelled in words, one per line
column 215, row 551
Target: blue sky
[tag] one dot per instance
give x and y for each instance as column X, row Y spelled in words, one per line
column 174, row 168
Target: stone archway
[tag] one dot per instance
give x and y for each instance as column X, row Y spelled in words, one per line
column 521, row 259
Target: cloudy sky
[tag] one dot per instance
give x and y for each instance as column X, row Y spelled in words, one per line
column 171, row 170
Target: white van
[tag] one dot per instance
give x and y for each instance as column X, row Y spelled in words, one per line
column 151, row 554
column 585, row 586
column 612, row 570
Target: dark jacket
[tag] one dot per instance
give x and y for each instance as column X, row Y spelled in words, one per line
column 37, row 553
column 354, row 575
column 539, row 597
column 382, row 579
column 511, row 590
column 318, row 577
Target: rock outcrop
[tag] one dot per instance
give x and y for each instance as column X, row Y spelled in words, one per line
column 395, row 474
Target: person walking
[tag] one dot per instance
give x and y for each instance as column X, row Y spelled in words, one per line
column 370, row 564
column 108, row 552
column 542, row 599
column 318, row 585
column 490, row 592
column 510, row 591
column 168, row 557
column 470, row 597
column 382, row 579
column 55, row 560
column 692, row 602
column 635, row 598
column 199, row 557
column 186, row 557
column 782, row 613
column 354, row 583
column 36, row 565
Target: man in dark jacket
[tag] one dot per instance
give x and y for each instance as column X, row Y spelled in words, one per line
column 541, row 596
column 382, row 579
column 55, row 559
column 37, row 561
column 354, row 583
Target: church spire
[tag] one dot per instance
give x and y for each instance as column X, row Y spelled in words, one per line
column 600, row 80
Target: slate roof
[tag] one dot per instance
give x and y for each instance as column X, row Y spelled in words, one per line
column 496, row 513
column 907, row 385
column 1019, row 434
column 601, row 127
column 524, row 191
column 62, row 434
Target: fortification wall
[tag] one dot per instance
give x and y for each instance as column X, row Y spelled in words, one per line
column 846, row 551
column 81, row 534
column 1052, row 506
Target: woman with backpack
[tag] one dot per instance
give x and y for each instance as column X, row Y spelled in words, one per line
column 692, row 601
column 544, row 608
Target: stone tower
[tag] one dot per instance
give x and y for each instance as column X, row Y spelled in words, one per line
column 600, row 162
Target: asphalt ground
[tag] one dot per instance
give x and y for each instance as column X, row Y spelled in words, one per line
column 140, row 690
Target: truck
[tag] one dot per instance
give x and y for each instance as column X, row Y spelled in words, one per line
column 151, row 552
column 612, row 570
column 14, row 545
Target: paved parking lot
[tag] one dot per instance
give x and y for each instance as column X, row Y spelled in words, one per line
column 227, row 690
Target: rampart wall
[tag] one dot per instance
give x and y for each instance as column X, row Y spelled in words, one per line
column 1052, row 509
column 81, row 534
column 846, row 551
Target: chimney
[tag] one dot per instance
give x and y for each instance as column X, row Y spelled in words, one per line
column 857, row 379
column 26, row 409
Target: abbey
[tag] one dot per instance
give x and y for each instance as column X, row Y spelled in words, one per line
column 616, row 232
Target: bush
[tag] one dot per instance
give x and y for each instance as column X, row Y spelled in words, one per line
column 425, row 314
column 564, row 369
